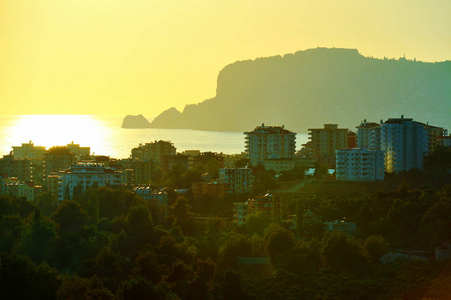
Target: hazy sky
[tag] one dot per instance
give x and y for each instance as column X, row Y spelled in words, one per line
column 142, row 56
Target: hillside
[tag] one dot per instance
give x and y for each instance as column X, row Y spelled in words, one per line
column 309, row 88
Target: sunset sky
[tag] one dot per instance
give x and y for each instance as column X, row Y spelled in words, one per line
column 142, row 56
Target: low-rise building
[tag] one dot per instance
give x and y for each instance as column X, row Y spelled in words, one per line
column 443, row 252
column 205, row 157
column 16, row 167
column 269, row 204
column 340, row 225
column 86, row 175
column 30, row 151
column 55, row 186
column 79, row 152
column 274, row 162
column 159, row 198
column 240, row 180
column 23, row 189
column 359, row 164
column 214, row 189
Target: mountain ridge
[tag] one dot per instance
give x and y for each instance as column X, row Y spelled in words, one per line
column 317, row 86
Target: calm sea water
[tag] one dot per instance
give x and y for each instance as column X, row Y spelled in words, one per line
column 106, row 137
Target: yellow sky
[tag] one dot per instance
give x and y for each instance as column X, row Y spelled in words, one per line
column 142, row 56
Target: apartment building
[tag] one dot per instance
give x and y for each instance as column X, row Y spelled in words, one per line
column 155, row 151
column 404, row 142
column 325, row 141
column 240, row 180
column 79, row 152
column 265, row 141
column 30, row 151
column 360, row 164
column 20, row 168
column 57, row 159
column 369, row 135
column 434, row 137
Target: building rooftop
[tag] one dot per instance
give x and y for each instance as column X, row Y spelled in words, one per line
column 265, row 129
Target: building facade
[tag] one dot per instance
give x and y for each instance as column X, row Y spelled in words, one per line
column 30, row 151
column 269, row 204
column 404, row 142
column 325, row 141
column 265, row 141
column 369, row 135
column 240, row 180
column 85, row 175
column 155, row 151
column 360, row 164
column 57, row 159
column 20, row 168
column 279, row 164
column 214, row 189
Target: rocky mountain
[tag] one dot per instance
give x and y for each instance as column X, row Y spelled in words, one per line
column 312, row 87
column 138, row 121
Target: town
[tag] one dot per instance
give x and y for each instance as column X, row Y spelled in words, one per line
column 307, row 193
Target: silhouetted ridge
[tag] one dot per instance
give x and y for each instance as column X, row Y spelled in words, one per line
column 138, row 121
column 316, row 86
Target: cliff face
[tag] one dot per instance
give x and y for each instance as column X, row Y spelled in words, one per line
column 313, row 87
column 135, row 122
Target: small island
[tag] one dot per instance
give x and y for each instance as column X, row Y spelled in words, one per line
column 138, row 121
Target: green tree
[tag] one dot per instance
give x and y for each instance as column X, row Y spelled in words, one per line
column 93, row 209
column 256, row 223
column 213, row 167
column 235, row 245
column 343, row 252
column 376, row 246
column 71, row 216
column 137, row 288
column 279, row 240
column 75, row 287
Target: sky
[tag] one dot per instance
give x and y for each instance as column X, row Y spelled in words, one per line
column 118, row 57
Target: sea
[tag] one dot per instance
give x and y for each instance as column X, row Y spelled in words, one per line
column 104, row 135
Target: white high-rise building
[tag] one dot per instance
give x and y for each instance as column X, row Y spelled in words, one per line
column 359, row 164
column 265, row 141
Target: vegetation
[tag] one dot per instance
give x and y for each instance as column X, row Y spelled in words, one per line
column 110, row 244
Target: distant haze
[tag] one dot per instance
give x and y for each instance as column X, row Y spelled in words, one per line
column 319, row 86
column 142, row 57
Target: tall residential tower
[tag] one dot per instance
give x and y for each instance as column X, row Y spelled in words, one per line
column 265, row 141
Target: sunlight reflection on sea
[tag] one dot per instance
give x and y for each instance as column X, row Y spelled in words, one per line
column 106, row 137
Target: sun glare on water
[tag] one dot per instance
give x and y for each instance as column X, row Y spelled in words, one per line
column 58, row 130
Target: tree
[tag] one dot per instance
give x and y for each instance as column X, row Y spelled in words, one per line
column 213, row 167
column 137, row 288
column 343, row 252
column 321, row 170
column 181, row 215
column 93, row 209
column 279, row 240
column 75, row 287
column 376, row 246
column 235, row 245
column 71, row 216
column 257, row 222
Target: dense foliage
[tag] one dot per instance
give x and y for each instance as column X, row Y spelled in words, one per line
column 110, row 244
